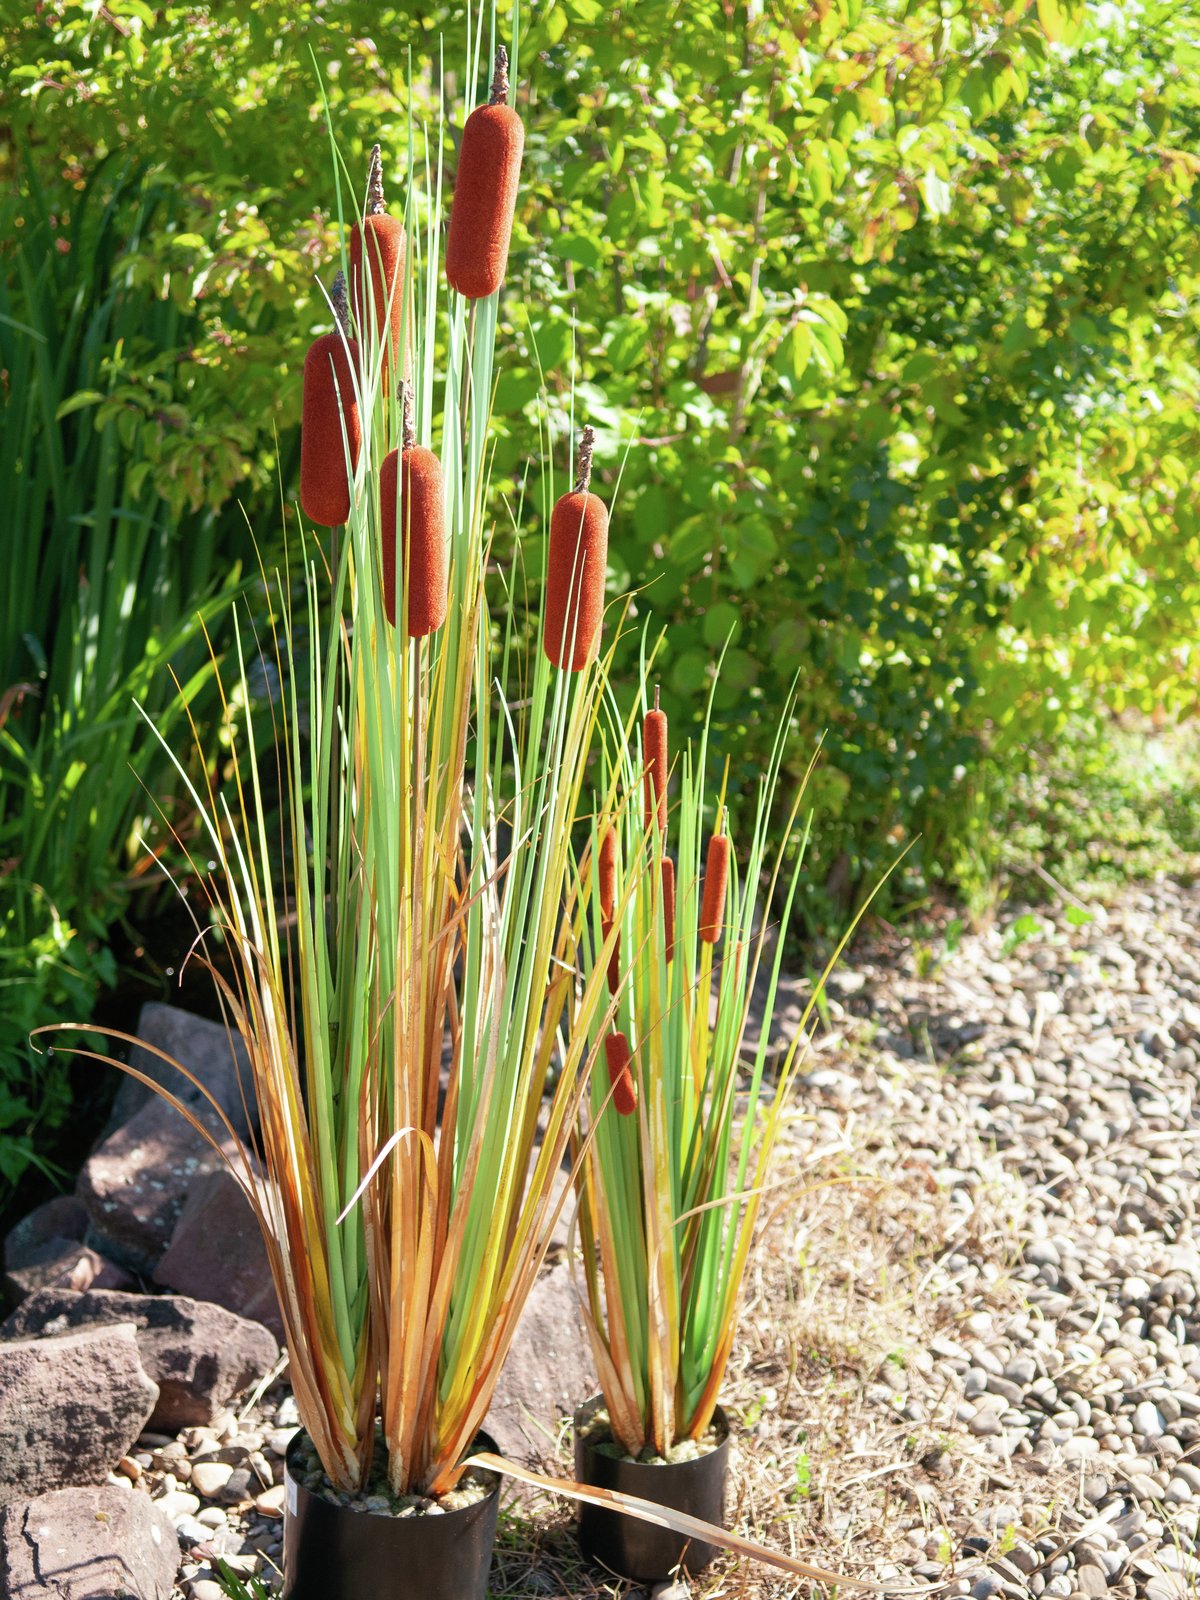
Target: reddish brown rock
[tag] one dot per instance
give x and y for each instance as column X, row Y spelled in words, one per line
column 87, row 1544
column 200, row 1355
column 65, row 1264
column 70, row 1407
column 135, row 1184
column 217, row 1252
column 46, row 1249
column 215, row 1056
column 549, row 1371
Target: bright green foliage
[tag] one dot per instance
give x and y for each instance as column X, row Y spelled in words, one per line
column 895, row 301
column 99, row 596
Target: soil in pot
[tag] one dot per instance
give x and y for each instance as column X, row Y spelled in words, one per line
column 342, row 1547
column 693, row 1482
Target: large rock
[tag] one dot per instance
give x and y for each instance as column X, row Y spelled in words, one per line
column 69, row 1408
column 215, row 1056
column 46, row 1249
column 199, row 1355
column 135, row 1184
column 549, row 1371
column 87, row 1544
column 217, row 1252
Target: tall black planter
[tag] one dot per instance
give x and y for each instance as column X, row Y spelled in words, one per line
column 333, row 1552
column 641, row 1550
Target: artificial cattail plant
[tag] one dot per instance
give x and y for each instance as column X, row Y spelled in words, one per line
column 680, row 1133
column 403, row 963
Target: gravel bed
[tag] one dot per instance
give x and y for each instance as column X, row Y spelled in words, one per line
column 1042, row 1079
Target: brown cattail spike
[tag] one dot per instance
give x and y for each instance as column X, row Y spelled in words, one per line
column 608, row 873
column 330, row 426
column 668, row 895
column 383, row 240
column 423, row 535
column 575, row 571
column 608, row 904
column 655, row 755
column 716, row 880
column 616, row 1050
column 485, row 193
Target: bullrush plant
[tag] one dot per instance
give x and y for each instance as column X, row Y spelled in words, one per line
column 677, row 1140
column 401, row 959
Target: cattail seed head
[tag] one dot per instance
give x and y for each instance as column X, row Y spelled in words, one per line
column 655, row 755
column 668, row 899
column 716, row 880
column 422, row 532
column 608, row 904
column 620, row 1075
column 382, row 240
column 325, row 483
column 575, row 570
column 485, row 194
column 608, row 872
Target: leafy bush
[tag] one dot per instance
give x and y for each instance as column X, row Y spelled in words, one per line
column 893, row 304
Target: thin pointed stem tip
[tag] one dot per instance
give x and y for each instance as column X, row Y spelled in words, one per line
column 375, row 201
column 500, row 77
column 583, row 461
column 409, row 424
column 341, row 305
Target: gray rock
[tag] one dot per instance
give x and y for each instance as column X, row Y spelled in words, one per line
column 217, row 1252
column 200, row 1355
column 135, row 1184
column 548, row 1373
column 215, row 1057
column 87, row 1544
column 70, row 1407
column 1148, row 1420
column 1091, row 1580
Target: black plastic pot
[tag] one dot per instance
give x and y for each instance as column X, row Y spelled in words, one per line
column 640, row 1550
column 333, row 1552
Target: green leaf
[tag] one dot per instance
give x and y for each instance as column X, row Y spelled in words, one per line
column 1062, row 21
column 937, row 194
column 579, row 248
column 556, row 24
column 77, row 402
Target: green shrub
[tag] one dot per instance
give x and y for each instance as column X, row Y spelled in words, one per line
column 896, row 302
column 103, row 600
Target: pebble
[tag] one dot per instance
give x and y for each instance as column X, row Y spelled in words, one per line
column 210, row 1477
column 1149, row 1421
column 1091, row 1580
column 179, row 1503
column 270, row 1502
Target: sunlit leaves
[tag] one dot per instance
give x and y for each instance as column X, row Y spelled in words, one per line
column 1062, row 20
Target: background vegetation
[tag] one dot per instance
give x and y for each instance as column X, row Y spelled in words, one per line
column 888, row 309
